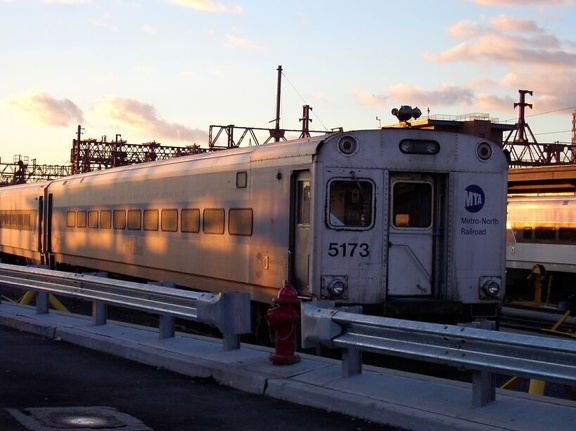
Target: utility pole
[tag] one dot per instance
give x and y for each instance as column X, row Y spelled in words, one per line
column 277, row 133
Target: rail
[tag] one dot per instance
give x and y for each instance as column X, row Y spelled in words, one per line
column 228, row 311
column 484, row 352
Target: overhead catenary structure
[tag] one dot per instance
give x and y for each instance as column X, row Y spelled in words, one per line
column 89, row 155
column 526, row 151
column 22, row 170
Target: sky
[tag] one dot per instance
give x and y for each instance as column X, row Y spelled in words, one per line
column 165, row 70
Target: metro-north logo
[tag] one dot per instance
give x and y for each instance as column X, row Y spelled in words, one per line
column 474, row 198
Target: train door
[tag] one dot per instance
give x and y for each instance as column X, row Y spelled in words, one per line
column 411, row 235
column 47, row 229
column 40, row 228
column 300, row 255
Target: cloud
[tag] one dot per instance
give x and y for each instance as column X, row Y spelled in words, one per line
column 242, row 43
column 506, row 40
column 551, row 91
column 142, row 118
column 102, row 24
column 528, row 56
column 208, row 6
column 41, row 108
column 487, row 102
column 446, row 95
column 150, row 28
column 367, row 99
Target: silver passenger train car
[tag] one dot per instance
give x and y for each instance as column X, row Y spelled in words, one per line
column 542, row 231
column 404, row 222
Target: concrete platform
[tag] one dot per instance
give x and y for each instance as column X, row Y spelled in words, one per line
column 405, row 400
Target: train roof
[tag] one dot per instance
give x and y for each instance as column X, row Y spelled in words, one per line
column 299, row 150
column 543, row 200
column 234, row 158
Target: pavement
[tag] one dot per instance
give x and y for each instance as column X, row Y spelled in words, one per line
column 405, row 400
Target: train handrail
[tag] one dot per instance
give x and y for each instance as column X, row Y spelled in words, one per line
column 228, row 311
column 484, row 352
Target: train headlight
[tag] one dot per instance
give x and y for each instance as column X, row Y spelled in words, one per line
column 348, row 145
column 484, row 150
column 335, row 286
column 419, row 146
column 490, row 289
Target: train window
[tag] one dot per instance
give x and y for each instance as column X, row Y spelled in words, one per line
column 190, row 220
column 119, row 219
column 26, row 221
column 304, row 197
column 545, row 233
column 70, row 218
column 170, row 220
column 240, row 221
column 351, row 203
column 567, row 234
column 412, row 204
column 134, row 219
column 151, row 219
column 81, row 219
column 241, row 179
column 105, row 219
column 93, row 219
column 213, row 221
column 527, row 233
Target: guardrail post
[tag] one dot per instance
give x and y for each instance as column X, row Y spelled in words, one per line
column 351, row 362
column 42, row 303
column 483, row 388
column 98, row 313
column 229, row 312
column 230, row 342
column 167, row 326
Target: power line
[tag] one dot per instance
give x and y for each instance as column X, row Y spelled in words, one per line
column 304, row 100
column 551, row 112
column 552, row 133
column 547, row 112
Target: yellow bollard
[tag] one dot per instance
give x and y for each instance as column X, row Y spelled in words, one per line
column 56, row 304
column 536, row 387
column 29, row 296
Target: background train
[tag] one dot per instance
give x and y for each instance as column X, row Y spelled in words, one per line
column 404, row 222
column 542, row 230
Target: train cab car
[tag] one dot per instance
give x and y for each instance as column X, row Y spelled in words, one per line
column 403, row 222
column 410, row 221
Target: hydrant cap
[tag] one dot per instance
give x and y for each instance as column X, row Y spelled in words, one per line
column 287, row 295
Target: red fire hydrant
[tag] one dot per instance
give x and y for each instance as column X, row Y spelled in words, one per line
column 284, row 320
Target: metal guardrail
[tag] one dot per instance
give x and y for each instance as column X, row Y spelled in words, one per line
column 228, row 311
column 484, row 352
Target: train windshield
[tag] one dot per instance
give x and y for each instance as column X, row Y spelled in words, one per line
column 351, row 204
